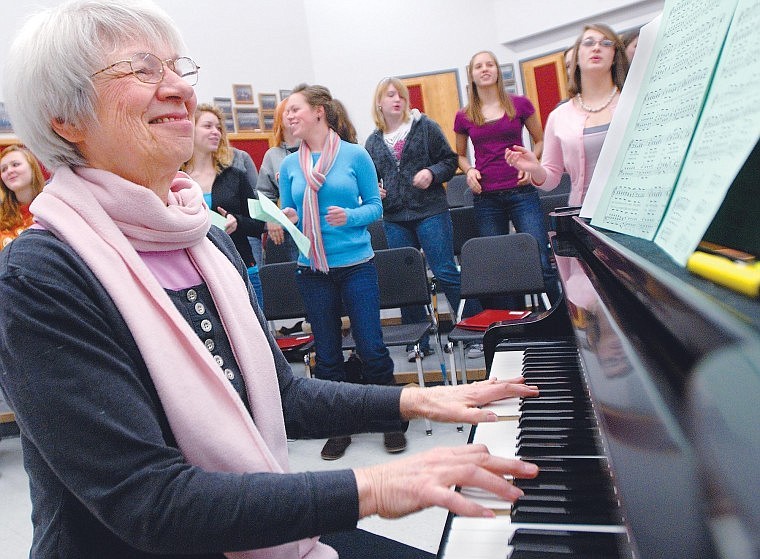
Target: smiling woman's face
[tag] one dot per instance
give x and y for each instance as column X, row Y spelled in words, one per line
column 142, row 132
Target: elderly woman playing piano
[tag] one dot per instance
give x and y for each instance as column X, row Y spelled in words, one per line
column 152, row 402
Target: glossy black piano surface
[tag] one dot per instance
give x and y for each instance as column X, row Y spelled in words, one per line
column 672, row 367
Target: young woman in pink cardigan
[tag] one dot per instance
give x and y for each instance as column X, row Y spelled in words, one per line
column 575, row 130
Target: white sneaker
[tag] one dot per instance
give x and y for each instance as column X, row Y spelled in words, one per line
column 475, row 351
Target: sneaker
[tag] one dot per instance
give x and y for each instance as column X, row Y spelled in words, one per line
column 335, row 447
column 412, row 355
column 475, row 351
column 394, row 442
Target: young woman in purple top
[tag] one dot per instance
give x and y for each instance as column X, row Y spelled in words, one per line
column 493, row 120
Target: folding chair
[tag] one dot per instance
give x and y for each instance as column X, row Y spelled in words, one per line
column 274, row 253
column 458, row 194
column 465, row 227
column 491, row 266
column 282, row 301
column 377, row 235
column 402, row 278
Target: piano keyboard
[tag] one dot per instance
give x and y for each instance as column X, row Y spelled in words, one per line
column 570, row 509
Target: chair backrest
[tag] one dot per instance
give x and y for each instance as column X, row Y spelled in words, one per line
column 402, row 277
column 549, row 204
column 282, row 298
column 276, row 253
column 464, row 225
column 458, row 194
column 501, row 265
column 377, row 235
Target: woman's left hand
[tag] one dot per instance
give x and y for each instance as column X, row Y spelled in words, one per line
column 231, row 225
column 423, row 179
column 523, row 178
column 461, row 403
column 336, row 216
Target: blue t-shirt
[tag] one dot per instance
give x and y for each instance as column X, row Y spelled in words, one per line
column 350, row 184
column 491, row 139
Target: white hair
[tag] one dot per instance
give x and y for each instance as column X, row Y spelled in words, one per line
column 49, row 66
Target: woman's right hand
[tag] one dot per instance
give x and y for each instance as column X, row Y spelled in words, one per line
column 427, row 479
column 291, row 214
column 473, row 180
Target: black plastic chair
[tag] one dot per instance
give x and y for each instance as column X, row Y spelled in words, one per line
column 458, row 194
column 377, row 235
column 492, row 266
column 402, row 278
column 282, row 301
column 465, row 226
column 274, row 253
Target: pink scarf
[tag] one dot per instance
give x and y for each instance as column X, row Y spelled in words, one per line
column 315, row 178
column 106, row 220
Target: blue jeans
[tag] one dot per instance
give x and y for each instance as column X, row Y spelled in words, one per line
column 355, row 289
column 521, row 205
column 253, row 276
column 434, row 235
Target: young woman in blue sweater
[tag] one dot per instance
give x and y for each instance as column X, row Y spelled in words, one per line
column 330, row 186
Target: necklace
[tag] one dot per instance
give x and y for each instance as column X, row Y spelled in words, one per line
column 597, row 109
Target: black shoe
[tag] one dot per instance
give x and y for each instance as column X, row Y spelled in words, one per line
column 395, row 442
column 335, row 447
column 412, row 355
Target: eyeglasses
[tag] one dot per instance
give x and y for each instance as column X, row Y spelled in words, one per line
column 148, row 68
column 590, row 42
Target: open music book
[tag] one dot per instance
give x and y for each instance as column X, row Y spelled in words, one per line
column 687, row 120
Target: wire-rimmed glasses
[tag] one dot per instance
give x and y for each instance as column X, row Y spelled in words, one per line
column 591, row 42
column 148, row 68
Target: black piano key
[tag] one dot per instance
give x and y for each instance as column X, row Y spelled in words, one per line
column 567, row 514
column 530, row 450
column 596, row 465
column 565, row 543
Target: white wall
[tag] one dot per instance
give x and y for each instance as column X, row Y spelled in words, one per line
column 348, row 45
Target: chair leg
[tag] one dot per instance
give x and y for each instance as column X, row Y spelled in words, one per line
column 421, row 378
column 307, row 364
column 463, row 359
column 452, row 360
column 438, row 347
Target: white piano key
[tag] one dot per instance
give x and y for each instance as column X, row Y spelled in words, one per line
column 500, row 437
column 506, row 364
column 507, row 408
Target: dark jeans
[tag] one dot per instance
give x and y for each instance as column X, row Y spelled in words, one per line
column 434, row 235
column 326, row 296
column 521, row 205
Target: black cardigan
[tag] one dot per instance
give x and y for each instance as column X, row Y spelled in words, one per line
column 106, row 477
column 426, row 148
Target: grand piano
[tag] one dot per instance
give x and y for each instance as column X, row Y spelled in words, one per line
column 649, row 432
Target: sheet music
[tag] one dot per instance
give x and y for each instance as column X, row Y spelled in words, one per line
column 725, row 136
column 665, row 114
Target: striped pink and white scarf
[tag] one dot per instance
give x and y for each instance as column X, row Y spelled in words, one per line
column 315, row 177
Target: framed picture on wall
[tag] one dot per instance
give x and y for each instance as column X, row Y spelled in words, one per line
column 508, row 73
column 267, row 121
column 242, row 94
column 5, row 121
column 267, row 101
column 247, row 119
column 224, row 104
column 285, row 93
column 229, row 123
